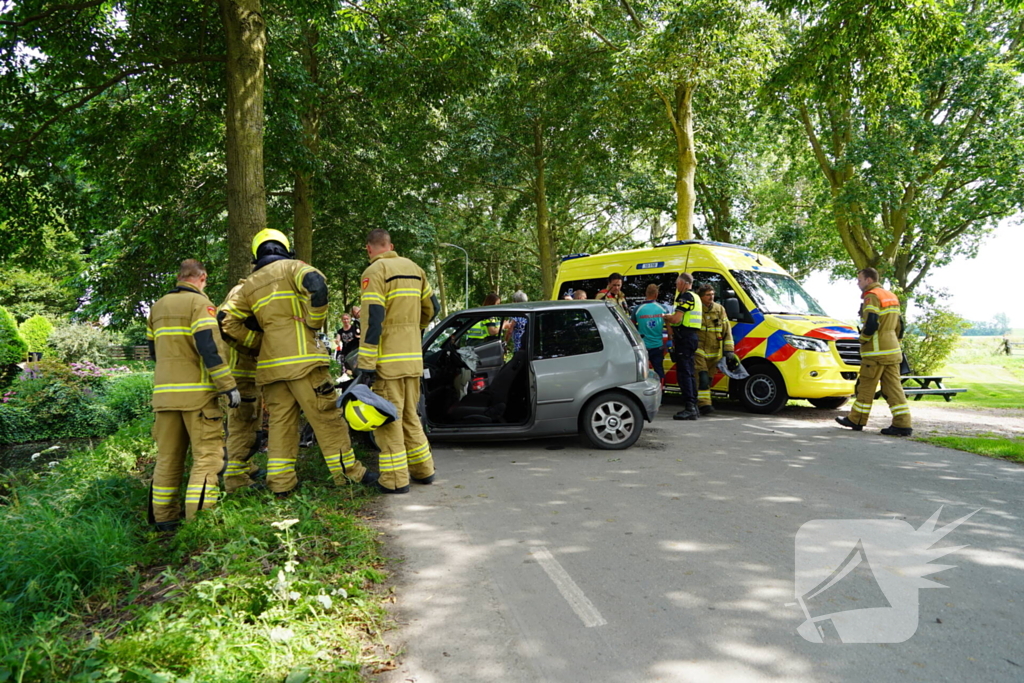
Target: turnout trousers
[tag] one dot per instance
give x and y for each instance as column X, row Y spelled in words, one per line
column 174, row 431
column 892, row 390
column 315, row 396
column 704, row 367
column 244, row 423
column 683, row 351
column 404, row 449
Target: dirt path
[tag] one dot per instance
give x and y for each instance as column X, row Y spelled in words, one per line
column 931, row 420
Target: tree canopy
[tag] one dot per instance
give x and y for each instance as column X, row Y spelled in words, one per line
column 832, row 134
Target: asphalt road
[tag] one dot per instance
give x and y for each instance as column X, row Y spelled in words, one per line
column 675, row 560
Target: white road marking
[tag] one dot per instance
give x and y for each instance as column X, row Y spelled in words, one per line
column 583, row 608
column 767, row 429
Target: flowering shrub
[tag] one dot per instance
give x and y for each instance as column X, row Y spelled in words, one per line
column 87, row 369
column 50, row 400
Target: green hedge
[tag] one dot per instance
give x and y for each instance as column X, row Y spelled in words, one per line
column 36, row 332
column 13, row 349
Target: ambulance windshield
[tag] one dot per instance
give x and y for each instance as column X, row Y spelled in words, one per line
column 777, row 293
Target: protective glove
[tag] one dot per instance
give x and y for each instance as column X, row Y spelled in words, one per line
column 367, row 377
column 234, row 398
column 732, row 361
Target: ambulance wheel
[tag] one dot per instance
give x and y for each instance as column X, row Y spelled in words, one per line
column 764, row 392
column 611, row 421
column 830, row 403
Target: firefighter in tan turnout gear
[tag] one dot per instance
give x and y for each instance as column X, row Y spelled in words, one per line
column 880, row 356
column 244, row 422
column 714, row 339
column 398, row 304
column 190, row 373
column 286, row 300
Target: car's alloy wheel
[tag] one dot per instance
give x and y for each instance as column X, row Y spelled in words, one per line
column 612, row 422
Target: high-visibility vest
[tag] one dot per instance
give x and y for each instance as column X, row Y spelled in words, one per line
column 693, row 317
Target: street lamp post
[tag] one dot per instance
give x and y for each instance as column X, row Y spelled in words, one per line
column 466, row 254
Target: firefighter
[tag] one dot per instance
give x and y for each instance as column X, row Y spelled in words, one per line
column 399, row 305
column 714, row 339
column 245, row 436
column 880, row 354
column 286, row 300
column 614, row 292
column 685, row 323
column 190, row 373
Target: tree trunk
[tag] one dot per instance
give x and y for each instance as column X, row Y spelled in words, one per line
column 441, row 292
column 246, row 36
column 686, row 162
column 545, row 242
column 302, row 198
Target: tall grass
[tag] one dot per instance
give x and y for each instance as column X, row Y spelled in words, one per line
column 89, row 593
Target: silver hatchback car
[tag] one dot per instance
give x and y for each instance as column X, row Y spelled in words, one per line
column 544, row 368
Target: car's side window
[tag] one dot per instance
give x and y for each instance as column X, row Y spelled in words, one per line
column 565, row 333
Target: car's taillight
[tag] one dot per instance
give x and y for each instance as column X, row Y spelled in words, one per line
column 642, row 363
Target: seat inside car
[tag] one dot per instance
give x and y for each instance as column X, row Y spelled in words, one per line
column 497, row 401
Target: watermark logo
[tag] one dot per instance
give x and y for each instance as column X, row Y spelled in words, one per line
column 857, row 579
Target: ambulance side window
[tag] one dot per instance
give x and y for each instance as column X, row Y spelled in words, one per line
column 635, row 287
column 591, row 286
column 721, row 285
column 716, row 280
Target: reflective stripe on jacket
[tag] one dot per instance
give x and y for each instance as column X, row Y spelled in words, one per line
column 191, row 359
column 884, row 345
column 279, row 303
column 398, row 303
column 715, row 336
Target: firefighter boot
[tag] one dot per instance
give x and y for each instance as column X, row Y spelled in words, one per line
column 847, row 422
column 897, row 431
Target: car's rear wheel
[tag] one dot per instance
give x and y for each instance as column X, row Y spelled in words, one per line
column 612, row 421
column 764, row 392
column 830, row 403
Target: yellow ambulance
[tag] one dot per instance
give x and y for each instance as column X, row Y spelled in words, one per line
column 790, row 347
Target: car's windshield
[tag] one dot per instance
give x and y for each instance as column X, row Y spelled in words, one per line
column 777, row 293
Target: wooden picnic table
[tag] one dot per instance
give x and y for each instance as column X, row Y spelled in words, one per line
column 922, row 385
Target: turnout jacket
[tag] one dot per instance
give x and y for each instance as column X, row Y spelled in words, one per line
column 285, row 301
column 399, row 304
column 881, row 327
column 714, row 339
column 191, row 365
column 241, row 357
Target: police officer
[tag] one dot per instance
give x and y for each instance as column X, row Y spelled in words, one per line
column 244, row 422
column 488, row 329
column 685, row 323
column 714, row 339
column 399, row 304
column 286, row 300
column 880, row 356
column 614, row 291
column 190, row 373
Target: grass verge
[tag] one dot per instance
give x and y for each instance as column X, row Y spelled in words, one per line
column 1006, row 449
column 254, row 590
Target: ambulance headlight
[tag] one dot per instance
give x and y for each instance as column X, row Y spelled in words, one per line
column 806, row 343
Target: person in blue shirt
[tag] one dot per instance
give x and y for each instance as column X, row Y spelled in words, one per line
column 649, row 320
